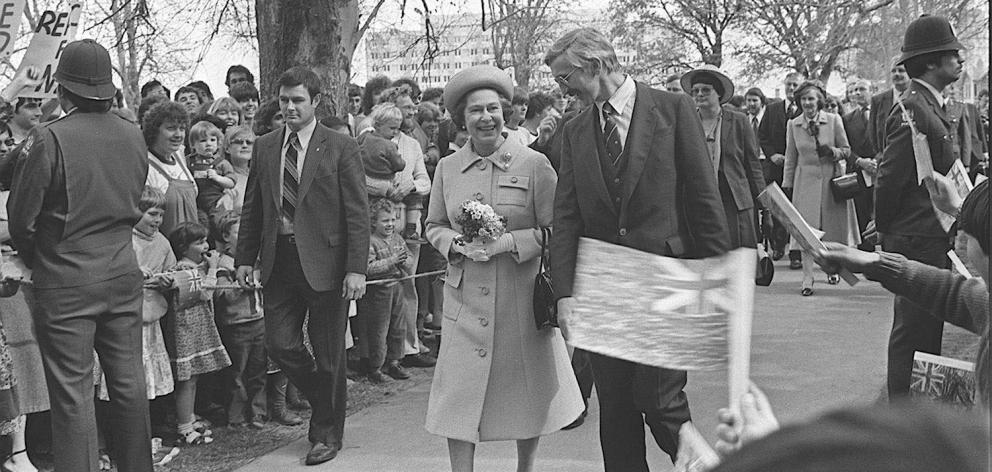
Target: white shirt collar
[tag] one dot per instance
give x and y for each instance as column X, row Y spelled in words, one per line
column 303, row 134
column 760, row 115
column 936, row 93
column 623, row 95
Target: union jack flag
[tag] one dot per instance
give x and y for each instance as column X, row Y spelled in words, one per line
column 943, row 379
column 660, row 311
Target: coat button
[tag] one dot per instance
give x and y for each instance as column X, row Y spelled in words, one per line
column 485, row 290
column 484, row 322
column 481, row 165
column 514, row 180
column 623, row 231
column 478, row 196
column 616, row 180
column 482, row 353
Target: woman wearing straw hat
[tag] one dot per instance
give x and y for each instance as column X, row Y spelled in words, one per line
column 497, row 376
column 733, row 148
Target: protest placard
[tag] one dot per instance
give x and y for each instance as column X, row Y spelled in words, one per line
column 666, row 312
column 55, row 30
column 11, row 12
column 808, row 237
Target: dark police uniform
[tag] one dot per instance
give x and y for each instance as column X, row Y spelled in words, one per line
column 73, row 203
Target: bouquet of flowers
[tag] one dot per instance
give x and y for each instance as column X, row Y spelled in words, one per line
column 479, row 222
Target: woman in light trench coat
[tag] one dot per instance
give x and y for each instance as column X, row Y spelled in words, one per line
column 497, row 376
column 816, row 150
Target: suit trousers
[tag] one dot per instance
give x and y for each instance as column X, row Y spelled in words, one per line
column 778, row 240
column 321, row 376
column 244, row 379
column 913, row 328
column 70, row 324
column 630, row 395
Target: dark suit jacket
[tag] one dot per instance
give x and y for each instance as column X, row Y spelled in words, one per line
column 881, row 108
column 902, row 206
column 739, row 164
column 771, row 130
column 332, row 216
column 670, row 204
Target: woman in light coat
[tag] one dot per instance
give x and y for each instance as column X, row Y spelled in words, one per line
column 816, row 151
column 498, row 377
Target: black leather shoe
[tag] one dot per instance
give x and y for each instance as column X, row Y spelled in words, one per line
column 394, row 370
column 807, row 292
column 320, row 453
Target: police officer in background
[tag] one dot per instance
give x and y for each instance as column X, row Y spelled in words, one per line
column 73, row 202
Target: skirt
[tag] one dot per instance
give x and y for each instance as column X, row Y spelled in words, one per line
column 193, row 343
column 32, row 391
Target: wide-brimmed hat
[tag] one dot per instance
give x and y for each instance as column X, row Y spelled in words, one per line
column 84, row 69
column 474, row 78
column 713, row 71
column 928, row 34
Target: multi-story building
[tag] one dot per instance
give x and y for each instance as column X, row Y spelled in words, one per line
column 461, row 43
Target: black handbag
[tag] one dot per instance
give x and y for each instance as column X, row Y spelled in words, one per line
column 765, row 270
column 545, row 307
column 845, row 186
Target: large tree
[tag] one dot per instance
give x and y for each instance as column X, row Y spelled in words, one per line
column 701, row 24
column 806, row 35
column 521, row 30
column 319, row 34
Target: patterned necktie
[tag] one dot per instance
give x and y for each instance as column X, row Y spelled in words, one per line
column 290, row 178
column 754, row 124
column 611, row 135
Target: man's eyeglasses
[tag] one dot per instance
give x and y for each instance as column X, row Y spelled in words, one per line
column 563, row 79
column 239, row 142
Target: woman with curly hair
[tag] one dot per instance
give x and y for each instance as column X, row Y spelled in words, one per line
column 164, row 128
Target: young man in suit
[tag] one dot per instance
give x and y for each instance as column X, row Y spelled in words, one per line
column 72, row 207
column 771, row 138
column 635, row 172
column 904, row 214
column 305, row 217
column 862, row 159
column 882, row 103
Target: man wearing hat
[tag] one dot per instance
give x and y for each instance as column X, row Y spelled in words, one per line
column 904, row 214
column 73, row 202
column 635, row 171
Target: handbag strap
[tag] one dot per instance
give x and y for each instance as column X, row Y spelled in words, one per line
column 544, row 249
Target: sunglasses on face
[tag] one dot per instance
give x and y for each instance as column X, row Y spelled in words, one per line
column 239, row 142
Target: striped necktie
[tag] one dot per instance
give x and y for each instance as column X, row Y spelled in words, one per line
column 290, row 178
column 611, row 135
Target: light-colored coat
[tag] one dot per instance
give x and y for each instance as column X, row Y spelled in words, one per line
column 809, row 175
column 497, row 376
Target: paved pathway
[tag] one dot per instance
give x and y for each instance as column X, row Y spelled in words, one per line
column 809, row 355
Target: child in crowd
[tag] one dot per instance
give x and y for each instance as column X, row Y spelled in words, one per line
column 213, row 174
column 380, row 156
column 380, row 326
column 190, row 332
column 155, row 257
column 242, row 329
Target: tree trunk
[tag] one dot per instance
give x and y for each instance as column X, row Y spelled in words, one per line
column 319, row 34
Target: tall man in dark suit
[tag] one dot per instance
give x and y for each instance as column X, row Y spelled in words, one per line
column 882, row 104
column 634, row 171
column 904, row 214
column 771, row 138
column 306, row 217
column 862, row 158
column 73, row 203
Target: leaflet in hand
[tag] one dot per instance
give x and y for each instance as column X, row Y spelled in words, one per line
column 808, row 237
